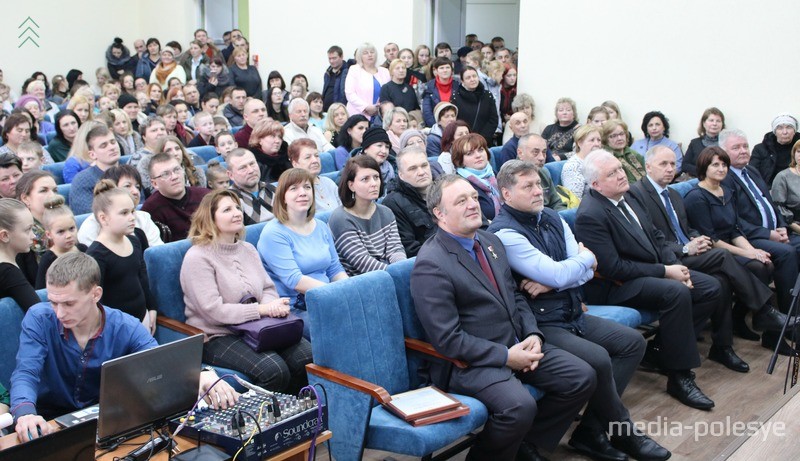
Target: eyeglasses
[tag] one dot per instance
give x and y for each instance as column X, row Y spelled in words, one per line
column 617, row 135
column 177, row 171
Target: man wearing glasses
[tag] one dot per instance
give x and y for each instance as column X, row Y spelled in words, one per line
column 173, row 203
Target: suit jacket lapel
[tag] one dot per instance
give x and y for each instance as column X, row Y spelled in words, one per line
column 640, row 213
column 471, row 265
column 653, row 195
column 637, row 233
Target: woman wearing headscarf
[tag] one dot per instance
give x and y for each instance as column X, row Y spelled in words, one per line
column 774, row 153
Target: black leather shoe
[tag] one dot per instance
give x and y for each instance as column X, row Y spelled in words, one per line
column 641, row 447
column 594, row 444
column 726, row 356
column 681, row 385
column 770, row 339
column 740, row 327
column 528, row 452
column 769, row 319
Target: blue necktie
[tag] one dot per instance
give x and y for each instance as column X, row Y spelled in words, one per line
column 757, row 194
column 676, row 226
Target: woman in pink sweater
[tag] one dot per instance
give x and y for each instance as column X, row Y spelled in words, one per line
column 364, row 80
column 219, row 272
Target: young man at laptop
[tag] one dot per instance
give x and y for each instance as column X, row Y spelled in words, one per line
column 64, row 343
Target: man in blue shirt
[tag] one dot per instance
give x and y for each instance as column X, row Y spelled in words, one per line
column 64, row 343
column 552, row 265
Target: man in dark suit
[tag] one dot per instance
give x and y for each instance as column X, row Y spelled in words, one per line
column 696, row 251
column 761, row 223
column 467, row 302
column 637, row 270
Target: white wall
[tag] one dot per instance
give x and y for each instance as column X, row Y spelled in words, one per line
column 492, row 18
column 78, row 36
column 679, row 57
column 301, row 46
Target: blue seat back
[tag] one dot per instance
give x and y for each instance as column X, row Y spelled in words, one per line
column 333, row 175
column 555, row 171
column 323, row 216
column 493, row 153
column 79, row 219
column 356, row 329
column 63, row 190
column 50, row 136
column 11, row 319
column 569, row 216
column 205, row 152
column 683, row 188
column 327, row 162
column 235, row 129
column 253, row 232
column 125, row 159
column 57, row 169
column 164, row 271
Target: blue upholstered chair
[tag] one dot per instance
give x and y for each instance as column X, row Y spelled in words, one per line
column 360, row 359
column 79, row 219
column 57, row 169
column 11, row 319
column 124, row 159
column 163, row 270
column 63, row 190
column 683, row 188
column 204, row 152
column 333, row 175
column 50, row 136
column 555, row 171
column 323, row 216
column 235, row 129
column 493, row 153
column 327, row 162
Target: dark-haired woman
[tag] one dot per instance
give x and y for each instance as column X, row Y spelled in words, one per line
column 214, row 77
column 67, row 124
column 476, row 105
column 148, row 62
column 350, row 136
column 119, row 59
column 655, row 127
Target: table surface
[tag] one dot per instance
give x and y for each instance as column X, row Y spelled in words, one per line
column 296, row 453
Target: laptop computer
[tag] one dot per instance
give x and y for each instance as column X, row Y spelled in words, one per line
column 148, row 388
column 74, row 443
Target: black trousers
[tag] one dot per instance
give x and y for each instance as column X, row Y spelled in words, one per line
column 514, row 415
column 682, row 311
column 614, row 351
column 785, row 258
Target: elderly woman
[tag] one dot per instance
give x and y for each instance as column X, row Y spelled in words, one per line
column 471, row 158
column 270, row 150
column 560, row 134
column 476, row 105
column 712, row 123
column 786, row 191
column 17, row 129
column 655, row 127
column 298, row 250
column 524, row 102
column 398, row 91
column 364, row 81
column 224, row 283
column 303, row 153
column 587, row 139
column 395, row 122
column 364, row 232
column 774, row 153
column 36, row 108
column 167, row 69
column 615, row 140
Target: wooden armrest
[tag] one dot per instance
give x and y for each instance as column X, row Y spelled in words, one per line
column 598, row 276
column 426, row 348
column 180, row 327
column 377, row 392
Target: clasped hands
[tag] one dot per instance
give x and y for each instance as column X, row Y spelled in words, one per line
column 525, row 355
column 680, row 273
column 275, row 308
column 699, row 245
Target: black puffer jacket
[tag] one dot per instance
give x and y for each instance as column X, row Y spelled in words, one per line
column 478, row 109
column 770, row 157
column 414, row 224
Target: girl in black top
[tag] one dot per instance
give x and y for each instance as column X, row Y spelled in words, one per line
column 120, row 256
column 16, row 237
column 62, row 233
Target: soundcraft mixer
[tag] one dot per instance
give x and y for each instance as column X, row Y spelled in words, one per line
column 285, row 421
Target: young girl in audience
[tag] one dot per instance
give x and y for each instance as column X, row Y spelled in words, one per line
column 104, row 103
column 224, row 142
column 296, row 91
column 129, row 140
column 34, row 189
column 125, row 177
column 112, row 92
column 120, row 255
column 16, row 237
column 217, row 176
column 337, row 116
column 204, row 124
column 32, row 156
column 224, row 283
column 61, row 231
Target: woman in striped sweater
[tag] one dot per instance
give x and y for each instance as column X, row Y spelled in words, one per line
column 364, row 232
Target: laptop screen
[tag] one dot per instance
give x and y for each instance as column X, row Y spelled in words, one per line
column 148, row 387
column 74, row 443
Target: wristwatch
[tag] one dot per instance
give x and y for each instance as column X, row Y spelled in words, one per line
column 685, row 250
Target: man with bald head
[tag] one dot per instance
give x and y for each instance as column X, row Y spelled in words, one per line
column 299, row 128
column 519, row 126
column 253, row 112
column 636, row 269
column 533, row 148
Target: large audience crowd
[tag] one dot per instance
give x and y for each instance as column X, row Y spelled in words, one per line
column 402, row 131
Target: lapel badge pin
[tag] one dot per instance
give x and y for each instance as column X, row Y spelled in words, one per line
column 491, row 251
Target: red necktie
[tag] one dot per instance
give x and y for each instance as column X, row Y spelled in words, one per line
column 484, row 264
